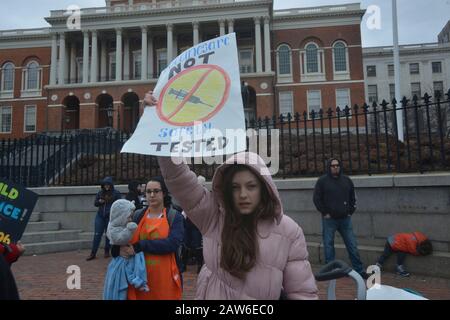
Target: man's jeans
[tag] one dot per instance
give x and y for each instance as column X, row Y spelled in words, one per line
column 344, row 227
column 101, row 225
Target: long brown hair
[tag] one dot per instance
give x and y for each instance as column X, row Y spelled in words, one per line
column 240, row 248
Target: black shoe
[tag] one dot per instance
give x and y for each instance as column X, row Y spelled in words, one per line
column 91, row 257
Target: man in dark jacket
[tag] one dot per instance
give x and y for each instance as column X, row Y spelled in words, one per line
column 334, row 197
column 104, row 200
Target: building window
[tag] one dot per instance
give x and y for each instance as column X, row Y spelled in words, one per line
column 32, row 77
column 340, row 57
column 372, row 93
column 286, row 103
column 312, row 58
column 438, row 88
column 7, row 72
column 5, row 119
column 415, row 90
column 112, row 66
column 284, row 60
column 343, row 98
column 246, row 60
column 371, row 71
column 161, row 62
column 437, row 67
column 414, row 68
column 137, row 64
column 391, row 70
column 392, row 91
column 314, row 101
column 30, row 119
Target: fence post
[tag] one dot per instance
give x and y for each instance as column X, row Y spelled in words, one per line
column 377, row 142
column 408, row 147
column 397, row 145
column 289, row 119
column 283, row 158
column 366, row 122
column 358, row 148
column 418, row 142
column 322, row 136
column 384, row 105
column 330, row 128
column 305, row 119
column 426, row 99
column 338, row 113
column 347, row 115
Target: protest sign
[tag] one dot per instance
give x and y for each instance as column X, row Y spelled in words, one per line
column 16, row 205
column 199, row 111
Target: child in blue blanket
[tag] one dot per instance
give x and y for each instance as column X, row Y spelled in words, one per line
column 121, row 271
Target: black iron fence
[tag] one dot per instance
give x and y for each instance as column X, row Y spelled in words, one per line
column 364, row 137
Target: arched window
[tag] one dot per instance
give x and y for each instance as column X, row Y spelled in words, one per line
column 340, row 57
column 312, row 58
column 284, row 60
column 32, row 76
column 7, row 73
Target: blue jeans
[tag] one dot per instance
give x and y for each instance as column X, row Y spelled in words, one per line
column 101, row 225
column 344, row 227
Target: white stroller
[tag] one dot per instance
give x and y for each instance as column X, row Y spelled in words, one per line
column 338, row 269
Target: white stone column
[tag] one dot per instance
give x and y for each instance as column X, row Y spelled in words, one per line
column 85, row 56
column 126, row 58
column 73, row 62
column 103, row 57
column 118, row 54
column 62, row 58
column 144, row 53
column 150, row 57
column 230, row 25
column 195, row 35
column 54, row 58
column 267, row 46
column 169, row 43
column 258, row 44
column 222, row 27
column 94, row 58
column 66, row 64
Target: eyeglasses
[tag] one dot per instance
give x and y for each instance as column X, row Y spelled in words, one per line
column 156, row 191
column 335, row 166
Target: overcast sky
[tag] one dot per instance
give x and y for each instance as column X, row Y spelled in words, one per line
column 419, row 20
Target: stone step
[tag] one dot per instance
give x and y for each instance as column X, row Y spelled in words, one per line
column 42, row 226
column 57, row 246
column 89, row 236
column 35, row 217
column 50, row 236
column 435, row 265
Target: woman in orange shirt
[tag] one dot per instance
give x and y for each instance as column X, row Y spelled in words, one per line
column 415, row 243
column 159, row 235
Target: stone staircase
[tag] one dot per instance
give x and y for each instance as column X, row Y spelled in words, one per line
column 47, row 236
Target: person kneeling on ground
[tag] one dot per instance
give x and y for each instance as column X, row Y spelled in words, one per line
column 415, row 243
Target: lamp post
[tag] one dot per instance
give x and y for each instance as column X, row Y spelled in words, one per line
column 397, row 71
column 110, row 112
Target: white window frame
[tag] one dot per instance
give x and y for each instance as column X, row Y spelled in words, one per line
column 308, row 92
column 367, row 71
column 291, row 94
column 432, row 71
column 341, row 75
column 137, row 57
column 312, row 76
column 158, row 52
column 1, row 120
column 287, row 77
column 31, row 92
column 252, row 62
column 349, row 104
column 420, row 90
column 393, row 70
column 418, row 69
column 391, row 85
column 7, row 94
column 25, row 118
column 368, row 94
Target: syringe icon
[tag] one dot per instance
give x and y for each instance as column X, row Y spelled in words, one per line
column 181, row 94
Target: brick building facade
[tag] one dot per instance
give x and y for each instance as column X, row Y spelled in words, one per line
column 291, row 60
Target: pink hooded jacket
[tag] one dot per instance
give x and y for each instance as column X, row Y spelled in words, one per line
column 283, row 259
